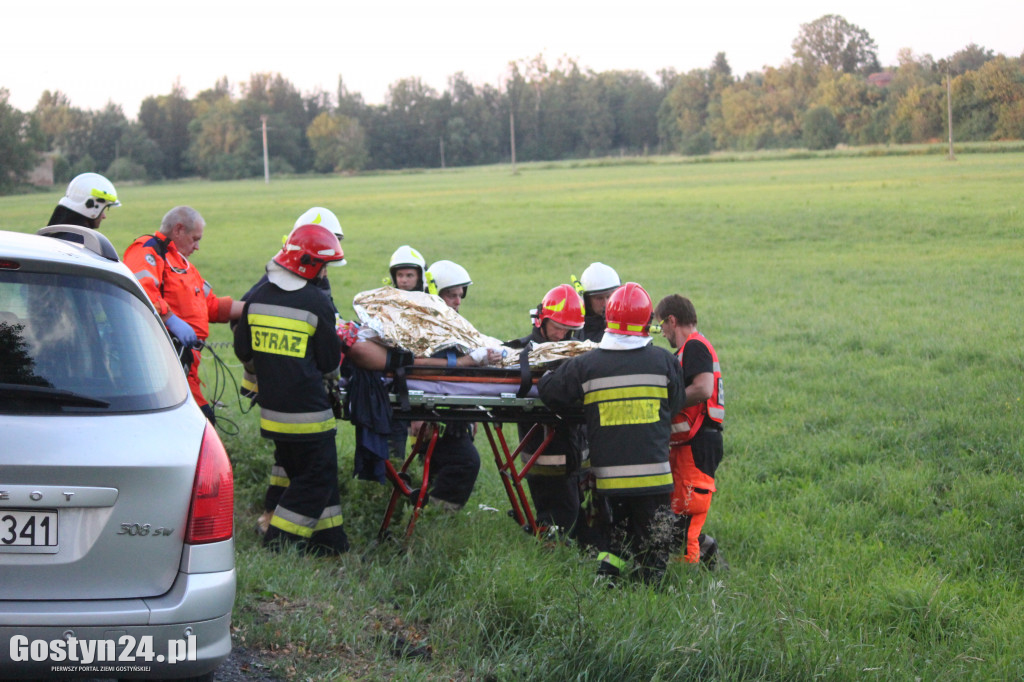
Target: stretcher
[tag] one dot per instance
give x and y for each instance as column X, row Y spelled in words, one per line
column 488, row 396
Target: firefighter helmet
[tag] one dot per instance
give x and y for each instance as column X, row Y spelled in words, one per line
column 307, row 249
column 407, row 257
column 444, row 274
column 319, row 215
column 562, row 305
column 598, row 278
column 629, row 311
column 89, row 194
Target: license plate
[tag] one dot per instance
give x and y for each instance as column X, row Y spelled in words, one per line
column 28, row 530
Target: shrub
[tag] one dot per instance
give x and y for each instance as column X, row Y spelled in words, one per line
column 125, row 169
column 821, row 129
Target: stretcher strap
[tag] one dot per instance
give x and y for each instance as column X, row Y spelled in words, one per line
column 525, row 378
column 401, row 389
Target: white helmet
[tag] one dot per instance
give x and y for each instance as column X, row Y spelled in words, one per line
column 599, row 278
column 319, row 215
column 407, row 257
column 444, row 274
column 89, row 194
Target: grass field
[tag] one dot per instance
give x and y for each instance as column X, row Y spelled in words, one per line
column 868, row 316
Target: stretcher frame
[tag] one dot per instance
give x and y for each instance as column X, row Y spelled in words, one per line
column 493, row 411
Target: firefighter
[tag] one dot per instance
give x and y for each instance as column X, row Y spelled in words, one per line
column 317, row 215
column 629, row 390
column 696, row 442
column 405, row 271
column 184, row 300
column 596, row 285
column 553, row 479
column 85, row 203
column 287, row 333
column 455, row 463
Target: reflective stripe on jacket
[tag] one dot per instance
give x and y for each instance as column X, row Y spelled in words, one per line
column 289, row 339
column 628, row 399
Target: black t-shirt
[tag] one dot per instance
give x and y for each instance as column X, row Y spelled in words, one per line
column 697, row 360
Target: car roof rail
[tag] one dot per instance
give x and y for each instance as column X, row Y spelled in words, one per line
column 87, row 237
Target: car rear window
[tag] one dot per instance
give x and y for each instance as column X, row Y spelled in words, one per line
column 74, row 343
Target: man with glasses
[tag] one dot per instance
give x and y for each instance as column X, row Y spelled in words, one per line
column 696, row 440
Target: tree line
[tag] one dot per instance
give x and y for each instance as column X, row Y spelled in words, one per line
column 833, row 91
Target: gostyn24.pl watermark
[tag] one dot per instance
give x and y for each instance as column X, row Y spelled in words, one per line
column 84, row 652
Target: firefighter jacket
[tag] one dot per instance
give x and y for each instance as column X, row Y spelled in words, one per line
column 687, row 422
column 593, row 327
column 250, row 384
column 565, row 452
column 628, row 397
column 174, row 285
column 289, row 338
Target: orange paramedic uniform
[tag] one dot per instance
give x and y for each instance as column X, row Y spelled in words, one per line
column 175, row 286
column 696, row 445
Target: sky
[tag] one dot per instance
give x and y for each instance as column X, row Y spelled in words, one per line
column 123, row 51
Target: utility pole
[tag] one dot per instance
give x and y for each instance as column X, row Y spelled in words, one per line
column 442, row 153
column 949, row 112
column 266, row 158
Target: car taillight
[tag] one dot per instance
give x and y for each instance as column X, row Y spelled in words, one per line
column 211, row 513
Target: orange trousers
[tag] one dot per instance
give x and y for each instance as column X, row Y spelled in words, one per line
column 691, row 499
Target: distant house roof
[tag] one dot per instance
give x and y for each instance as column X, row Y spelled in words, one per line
column 880, row 79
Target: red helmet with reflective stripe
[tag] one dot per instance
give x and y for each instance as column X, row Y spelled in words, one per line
column 629, row 311
column 307, row 249
column 562, row 305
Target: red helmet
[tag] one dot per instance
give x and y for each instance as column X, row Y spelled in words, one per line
column 562, row 305
column 307, row 249
column 629, row 311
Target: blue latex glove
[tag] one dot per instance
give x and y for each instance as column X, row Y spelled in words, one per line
column 182, row 330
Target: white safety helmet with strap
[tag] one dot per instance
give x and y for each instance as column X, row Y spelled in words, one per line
column 318, row 215
column 444, row 274
column 89, row 194
column 599, row 278
column 407, row 257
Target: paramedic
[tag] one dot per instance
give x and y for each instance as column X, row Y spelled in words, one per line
column 696, row 442
column 184, row 300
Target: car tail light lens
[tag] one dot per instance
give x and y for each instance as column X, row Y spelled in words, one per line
column 211, row 513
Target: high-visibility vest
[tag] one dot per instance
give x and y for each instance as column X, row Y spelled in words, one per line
column 687, row 422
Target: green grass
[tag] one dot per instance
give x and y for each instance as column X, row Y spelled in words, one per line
column 867, row 314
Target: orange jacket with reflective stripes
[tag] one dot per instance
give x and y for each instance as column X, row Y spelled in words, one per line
column 687, row 422
column 174, row 285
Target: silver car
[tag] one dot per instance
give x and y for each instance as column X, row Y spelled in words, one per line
column 116, row 494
